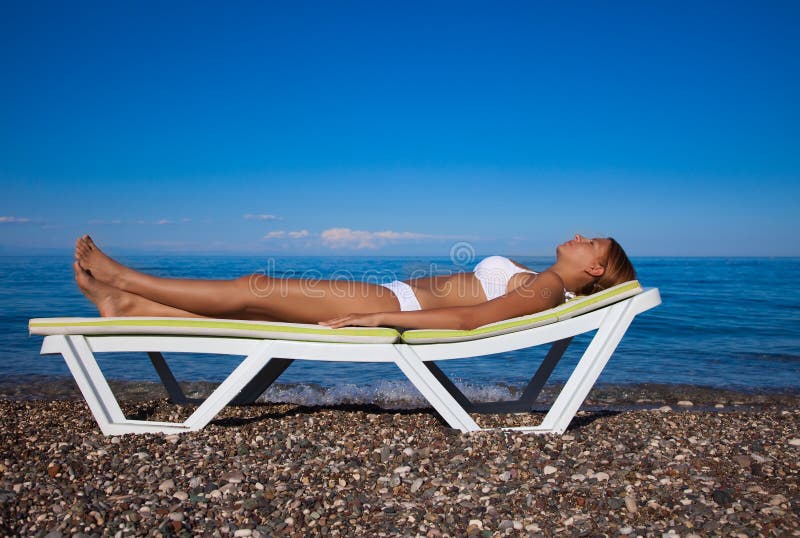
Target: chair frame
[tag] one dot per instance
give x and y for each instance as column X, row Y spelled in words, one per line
column 265, row 360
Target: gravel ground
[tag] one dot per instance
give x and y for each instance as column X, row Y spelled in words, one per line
column 284, row 470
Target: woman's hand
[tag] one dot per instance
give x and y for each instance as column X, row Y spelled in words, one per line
column 362, row 320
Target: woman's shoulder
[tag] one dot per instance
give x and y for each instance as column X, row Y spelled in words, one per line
column 548, row 284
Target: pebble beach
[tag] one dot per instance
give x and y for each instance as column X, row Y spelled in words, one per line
column 669, row 468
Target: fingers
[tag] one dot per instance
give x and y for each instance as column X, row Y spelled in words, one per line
column 340, row 321
column 335, row 323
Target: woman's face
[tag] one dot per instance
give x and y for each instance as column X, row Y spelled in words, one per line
column 585, row 251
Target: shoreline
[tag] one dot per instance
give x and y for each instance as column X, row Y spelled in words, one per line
column 401, row 395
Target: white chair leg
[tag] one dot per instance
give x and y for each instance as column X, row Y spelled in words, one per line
column 105, row 407
column 91, row 382
column 437, row 395
column 588, row 369
column 231, row 387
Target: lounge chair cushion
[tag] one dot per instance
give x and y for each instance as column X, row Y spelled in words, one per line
column 577, row 306
column 212, row 327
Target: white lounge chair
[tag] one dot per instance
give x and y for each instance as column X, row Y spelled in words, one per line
column 271, row 347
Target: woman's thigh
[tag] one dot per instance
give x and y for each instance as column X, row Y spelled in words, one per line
column 309, row 301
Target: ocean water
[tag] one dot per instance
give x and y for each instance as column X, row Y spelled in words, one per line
column 725, row 323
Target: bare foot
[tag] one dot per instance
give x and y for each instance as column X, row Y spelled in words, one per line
column 108, row 300
column 97, row 263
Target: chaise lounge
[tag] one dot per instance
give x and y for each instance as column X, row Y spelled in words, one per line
column 269, row 348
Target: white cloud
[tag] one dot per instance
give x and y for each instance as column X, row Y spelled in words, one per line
column 346, row 238
column 15, row 219
column 280, row 234
column 251, row 216
column 164, row 221
column 362, row 239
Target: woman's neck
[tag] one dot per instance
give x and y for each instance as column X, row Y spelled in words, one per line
column 571, row 279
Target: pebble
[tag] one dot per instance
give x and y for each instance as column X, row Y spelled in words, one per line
column 685, row 403
column 777, row 500
column 665, row 408
column 794, row 442
column 365, row 472
column 506, row 524
column 233, row 477
column 477, row 523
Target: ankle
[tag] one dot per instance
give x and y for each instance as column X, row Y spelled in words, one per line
column 119, row 281
column 125, row 304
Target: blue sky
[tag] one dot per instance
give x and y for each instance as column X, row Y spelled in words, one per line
column 400, row 128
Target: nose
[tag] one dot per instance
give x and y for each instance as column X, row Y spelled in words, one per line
column 579, row 237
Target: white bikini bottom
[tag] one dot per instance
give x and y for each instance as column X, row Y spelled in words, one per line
column 404, row 294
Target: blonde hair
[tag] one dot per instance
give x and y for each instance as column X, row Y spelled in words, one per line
column 618, row 269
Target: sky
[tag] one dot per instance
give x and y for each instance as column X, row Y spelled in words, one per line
column 400, row 128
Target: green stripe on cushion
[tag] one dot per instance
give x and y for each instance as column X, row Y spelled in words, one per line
column 206, row 324
column 583, row 302
column 486, row 329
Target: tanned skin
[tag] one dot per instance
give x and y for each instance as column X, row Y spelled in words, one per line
column 448, row 302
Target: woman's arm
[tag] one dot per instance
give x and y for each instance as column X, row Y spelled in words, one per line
column 538, row 293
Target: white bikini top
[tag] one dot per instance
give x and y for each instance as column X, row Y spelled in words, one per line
column 494, row 273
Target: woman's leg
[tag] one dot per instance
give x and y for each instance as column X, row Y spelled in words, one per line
column 112, row 302
column 218, row 298
column 250, row 297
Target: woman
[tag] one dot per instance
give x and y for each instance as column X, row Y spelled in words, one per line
column 497, row 289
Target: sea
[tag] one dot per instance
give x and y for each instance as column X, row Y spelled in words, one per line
column 726, row 325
